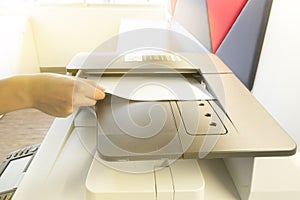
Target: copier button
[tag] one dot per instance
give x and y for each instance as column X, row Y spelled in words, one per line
column 34, row 149
column 21, row 152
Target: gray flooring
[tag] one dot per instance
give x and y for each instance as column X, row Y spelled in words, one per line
column 22, row 128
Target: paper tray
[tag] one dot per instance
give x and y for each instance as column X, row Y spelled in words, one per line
column 136, row 130
column 153, row 87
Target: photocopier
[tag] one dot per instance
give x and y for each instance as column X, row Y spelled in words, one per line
column 174, row 125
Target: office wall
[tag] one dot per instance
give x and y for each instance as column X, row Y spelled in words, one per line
column 62, row 31
column 277, row 83
column 17, row 49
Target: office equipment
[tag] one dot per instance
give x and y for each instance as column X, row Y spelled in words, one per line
column 74, row 163
column 13, row 168
column 76, row 169
column 226, row 124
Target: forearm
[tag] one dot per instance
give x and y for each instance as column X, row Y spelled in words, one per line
column 54, row 94
column 15, row 93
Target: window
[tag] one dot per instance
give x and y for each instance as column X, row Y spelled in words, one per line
column 126, row 1
column 160, row 2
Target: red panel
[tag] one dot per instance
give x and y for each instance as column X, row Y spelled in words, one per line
column 222, row 14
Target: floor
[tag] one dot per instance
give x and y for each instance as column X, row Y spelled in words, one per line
column 22, row 128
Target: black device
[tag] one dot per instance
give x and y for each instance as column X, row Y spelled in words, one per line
column 13, row 168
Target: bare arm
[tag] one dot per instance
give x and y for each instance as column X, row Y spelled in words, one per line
column 57, row 95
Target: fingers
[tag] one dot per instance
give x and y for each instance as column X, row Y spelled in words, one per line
column 94, row 84
column 59, row 95
column 83, row 101
column 98, row 95
column 89, row 89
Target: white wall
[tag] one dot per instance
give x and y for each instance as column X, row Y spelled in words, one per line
column 277, row 83
column 17, row 49
column 62, row 31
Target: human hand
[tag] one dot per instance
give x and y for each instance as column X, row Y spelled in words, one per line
column 60, row 95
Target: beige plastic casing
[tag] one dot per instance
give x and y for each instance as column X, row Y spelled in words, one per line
column 62, row 164
column 61, row 167
column 181, row 180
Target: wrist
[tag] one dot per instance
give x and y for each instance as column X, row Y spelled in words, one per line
column 33, row 83
column 27, row 90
